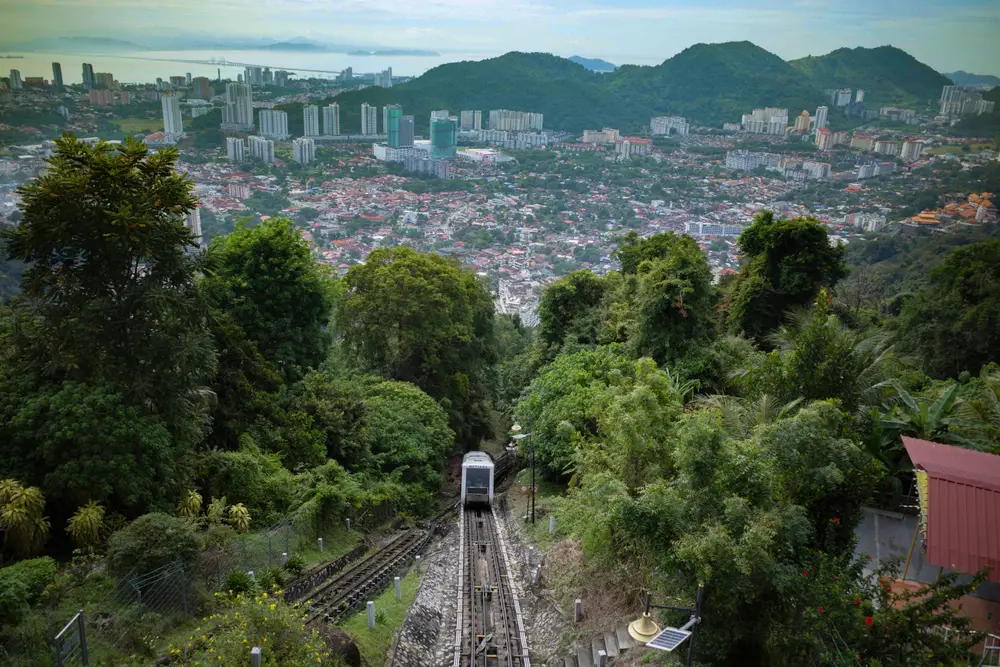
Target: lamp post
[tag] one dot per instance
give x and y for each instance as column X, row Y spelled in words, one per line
column 516, row 428
column 644, row 628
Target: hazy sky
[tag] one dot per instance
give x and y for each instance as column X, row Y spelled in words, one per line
column 956, row 34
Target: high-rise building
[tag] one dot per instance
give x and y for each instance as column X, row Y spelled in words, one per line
column 261, row 148
column 444, row 133
column 824, row 139
column 125, row 97
column 802, row 122
column 841, row 97
column 274, row 124
column 57, row 80
column 173, row 128
column 669, row 125
column 391, row 117
column 254, row 76
column 406, row 131
column 960, row 100
column 862, row 141
column 821, row 116
column 885, row 147
column 515, row 121
column 88, row 76
column 104, row 80
column 101, row 98
column 178, row 82
column 193, row 222
column 912, row 149
column 303, row 150
column 16, row 82
column 347, row 76
column 310, row 120
column 331, row 120
column 234, row 149
column 201, row 88
column 238, row 112
column 468, row 120
column 281, row 78
column 369, row 119
column 187, row 77
column 859, row 96
column 383, row 79
column 478, row 121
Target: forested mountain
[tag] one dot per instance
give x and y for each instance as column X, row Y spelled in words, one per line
column 715, row 83
column 709, row 83
column 594, row 64
column 963, row 78
column 887, row 74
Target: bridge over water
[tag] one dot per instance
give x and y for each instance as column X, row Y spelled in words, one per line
column 222, row 62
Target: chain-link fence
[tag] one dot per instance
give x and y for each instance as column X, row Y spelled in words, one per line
column 129, row 624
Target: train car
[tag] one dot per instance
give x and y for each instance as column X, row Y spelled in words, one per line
column 477, row 479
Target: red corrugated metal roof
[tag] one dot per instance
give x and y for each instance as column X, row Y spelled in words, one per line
column 963, row 506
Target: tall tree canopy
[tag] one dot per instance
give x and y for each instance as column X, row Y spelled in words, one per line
column 275, row 291
column 421, row 318
column 789, row 261
column 953, row 325
column 110, row 294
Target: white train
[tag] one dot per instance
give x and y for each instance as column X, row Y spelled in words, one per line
column 477, row 479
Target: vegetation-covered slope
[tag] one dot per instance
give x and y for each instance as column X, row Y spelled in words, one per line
column 887, row 74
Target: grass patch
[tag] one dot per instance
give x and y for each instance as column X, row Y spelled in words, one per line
column 136, row 125
column 546, row 496
column 374, row 643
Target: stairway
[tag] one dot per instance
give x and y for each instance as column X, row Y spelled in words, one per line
column 613, row 643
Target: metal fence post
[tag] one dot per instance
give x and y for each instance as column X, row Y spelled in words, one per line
column 348, row 526
column 577, row 610
column 138, row 592
column 320, row 541
column 371, row 614
column 399, row 590
column 255, row 656
column 83, row 640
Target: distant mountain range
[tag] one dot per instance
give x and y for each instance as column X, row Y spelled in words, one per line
column 708, row 83
column 594, row 64
column 180, row 43
column 962, row 78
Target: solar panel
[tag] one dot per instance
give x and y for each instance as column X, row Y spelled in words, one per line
column 668, row 639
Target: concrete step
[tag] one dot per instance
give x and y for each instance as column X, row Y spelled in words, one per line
column 570, row 662
column 585, row 657
column 611, row 644
column 625, row 641
column 597, row 644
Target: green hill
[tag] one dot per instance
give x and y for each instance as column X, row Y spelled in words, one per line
column 716, row 83
column 570, row 96
column 887, row 74
column 709, row 83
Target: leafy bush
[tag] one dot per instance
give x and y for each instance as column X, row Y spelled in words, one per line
column 36, row 573
column 239, row 581
column 296, row 564
column 260, row 620
column 271, row 577
column 152, row 541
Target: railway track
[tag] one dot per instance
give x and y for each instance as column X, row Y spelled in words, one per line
column 489, row 630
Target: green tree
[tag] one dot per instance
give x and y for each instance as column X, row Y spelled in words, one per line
column 598, row 409
column 789, row 261
column 423, row 319
column 152, row 541
column 569, row 311
column 953, row 324
column 110, row 297
column 22, row 517
column 271, row 285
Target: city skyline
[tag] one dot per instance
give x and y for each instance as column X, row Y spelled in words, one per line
column 948, row 37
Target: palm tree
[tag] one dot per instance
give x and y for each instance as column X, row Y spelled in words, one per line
column 239, row 517
column 190, row 505
column 740, row 416
column 22, row 517
column 87, row 525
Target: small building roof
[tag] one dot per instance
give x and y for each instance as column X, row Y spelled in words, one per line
column 960, row 501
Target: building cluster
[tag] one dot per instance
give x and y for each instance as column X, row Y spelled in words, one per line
column 667, row 125
column 274, row 124
column 303, row 150
column 471, row 119
column 873, row 168
column 869, row 222
column 606, row 136
column 237, row 114
column 515, row 121
column 793, row 169
column 978, row 208
column 897, row 115
column 383, row 79
column 769, row 120
column 963, row 101
column 628, row 147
